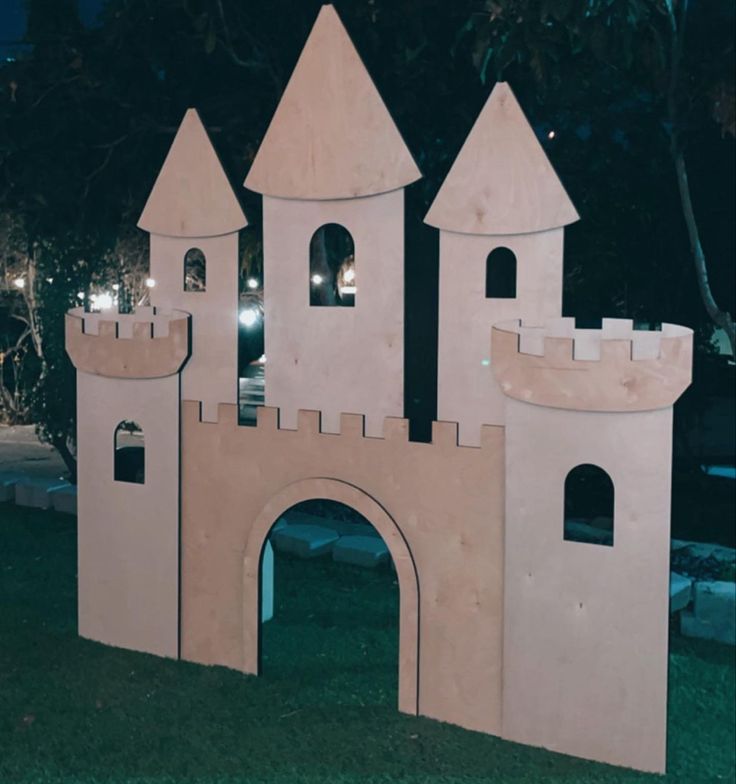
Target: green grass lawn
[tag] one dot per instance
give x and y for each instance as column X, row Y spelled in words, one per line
column 324, row 711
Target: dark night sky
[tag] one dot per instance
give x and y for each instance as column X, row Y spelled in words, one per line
column 13, row 20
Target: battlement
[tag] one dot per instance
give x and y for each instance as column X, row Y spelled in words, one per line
column 615, row 368
column 352, row 426
column 144, row 344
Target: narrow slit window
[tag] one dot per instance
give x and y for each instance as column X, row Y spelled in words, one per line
column 589, row 506
column 332, row 278
column 195, row 270
column 501, row 274
column 130, row 453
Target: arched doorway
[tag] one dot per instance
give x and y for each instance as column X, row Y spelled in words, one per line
column 371, row 510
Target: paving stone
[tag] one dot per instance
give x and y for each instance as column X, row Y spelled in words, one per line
column 340, row 527
column 36, row 491
column 8, row 480
column 267, row 583
column 714, row 612
column 360, row 550
column 64, row 499
column 680, row 592
column 702, row 550
column 305, row 541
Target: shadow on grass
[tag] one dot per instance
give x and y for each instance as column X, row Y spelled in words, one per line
column 324, row 711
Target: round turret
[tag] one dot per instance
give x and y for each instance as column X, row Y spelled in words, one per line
column 144, row 344
column 615, row 368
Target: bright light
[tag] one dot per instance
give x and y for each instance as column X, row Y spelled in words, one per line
column 150, row 282
column 49, row 280
column 317, row 280
column 20, row 283
column 348, row 290
column 349, row 275
column 551, row 135
column 252, row 283
column 248, row 317
column 102, row 301
column 485, row 362
column 80, row 295
column 116, row 287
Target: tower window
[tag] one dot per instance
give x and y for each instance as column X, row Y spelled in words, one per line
column 130, row 453
column 589, row 506
column 501, row 274
column 195, row 270
column 332, row 281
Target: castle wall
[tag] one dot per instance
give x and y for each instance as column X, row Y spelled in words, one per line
column 446, row 502
column 585, row 629
column 129, row 533
column 211, row 374
column 335, row 359
column 467, row 391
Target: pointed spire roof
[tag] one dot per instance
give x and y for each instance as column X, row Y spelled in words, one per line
column 192, row 196
column 502, row 181
column 332, row 136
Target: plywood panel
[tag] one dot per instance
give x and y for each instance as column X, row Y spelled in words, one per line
column 211, row 374
column 129, row 533
column 335, row 359
column 331, row 136
column 467, row 391
column 192, row 196
column 585, row 626
column 446, row 502
column 501, row 181
column 633, row 371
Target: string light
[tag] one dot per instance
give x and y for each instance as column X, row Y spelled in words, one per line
column 252, row 283
column 317, row 280
column 248, row 317
column 150, row 282
column 20, row 283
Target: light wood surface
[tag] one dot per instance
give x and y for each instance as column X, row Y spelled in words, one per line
column 331, row 136
column 501, row 181
column 192, row 196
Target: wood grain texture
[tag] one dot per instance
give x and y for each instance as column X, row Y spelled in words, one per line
column 192, row 196
column 136, row 345
column 586, row 626
column 501, row 181
column 443, row 501
column 331, row 136
column 467, row 391
column 557, row 367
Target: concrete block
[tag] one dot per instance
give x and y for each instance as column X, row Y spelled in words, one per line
column 64, row 499
column 36, row 491
column 267, row 583
column 366, row 551
column 714, row 612
column 8, row 480
column 703, row 551
column 305, row 541
column 340, row 527
column 680, row 592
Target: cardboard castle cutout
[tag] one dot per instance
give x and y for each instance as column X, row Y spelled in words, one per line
column 505, row 627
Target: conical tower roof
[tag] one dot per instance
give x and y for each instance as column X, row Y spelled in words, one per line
column 502, row 181
column 331, row 136
column 192, row 196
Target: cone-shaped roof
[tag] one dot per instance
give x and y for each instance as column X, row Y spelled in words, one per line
column 501, row 181
column 192, row 196
column 331, row 136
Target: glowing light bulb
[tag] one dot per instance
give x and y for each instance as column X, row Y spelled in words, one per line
column 252, row 283
column 248, row 317
column 103, row 301
column 80, row 295
column 551, row 135
column 116, row 287
column 150, row 282
column 317, row 280
column 349, row 275
column 20, row 283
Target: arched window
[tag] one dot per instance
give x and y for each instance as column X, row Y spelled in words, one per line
column 332, row 281
column 130, row 453
column 501, row 274
column 195, row 270
column 589, row 505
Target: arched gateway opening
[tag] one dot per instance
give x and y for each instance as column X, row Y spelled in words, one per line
column 376, row 515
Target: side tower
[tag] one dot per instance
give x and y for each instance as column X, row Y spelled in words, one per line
column 128, row 524
column 501, row 212
column 332, row 155
column 194, row 218
column 585, row 624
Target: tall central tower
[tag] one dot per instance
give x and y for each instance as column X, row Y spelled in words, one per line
column 332, row 159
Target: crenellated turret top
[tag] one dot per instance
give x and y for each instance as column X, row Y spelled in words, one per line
column 616, row 368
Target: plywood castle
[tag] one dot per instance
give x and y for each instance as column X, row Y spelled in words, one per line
column 506, row 627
